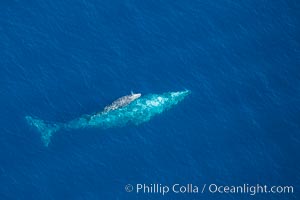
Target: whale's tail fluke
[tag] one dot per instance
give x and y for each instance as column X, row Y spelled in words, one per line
column 45, row 129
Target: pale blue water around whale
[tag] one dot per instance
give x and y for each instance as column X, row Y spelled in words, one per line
column 66, row 60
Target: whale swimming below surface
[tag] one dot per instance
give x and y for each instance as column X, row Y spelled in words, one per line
column 134, row 111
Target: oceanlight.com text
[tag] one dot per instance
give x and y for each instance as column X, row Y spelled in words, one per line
column 246, row 189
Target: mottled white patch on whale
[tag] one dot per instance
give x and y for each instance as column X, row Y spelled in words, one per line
column 121, row 102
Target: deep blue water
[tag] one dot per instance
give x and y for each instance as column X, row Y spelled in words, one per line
column 241, row 123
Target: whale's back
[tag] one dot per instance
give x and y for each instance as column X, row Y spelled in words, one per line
column 121, row 102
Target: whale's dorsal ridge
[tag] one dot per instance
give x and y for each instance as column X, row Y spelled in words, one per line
column 122, row 101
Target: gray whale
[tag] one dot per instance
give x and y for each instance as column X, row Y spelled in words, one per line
column 135, row 112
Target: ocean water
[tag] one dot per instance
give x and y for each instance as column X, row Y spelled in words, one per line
column 240, row 125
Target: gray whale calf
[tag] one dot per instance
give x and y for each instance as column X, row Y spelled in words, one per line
column 134, row 111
